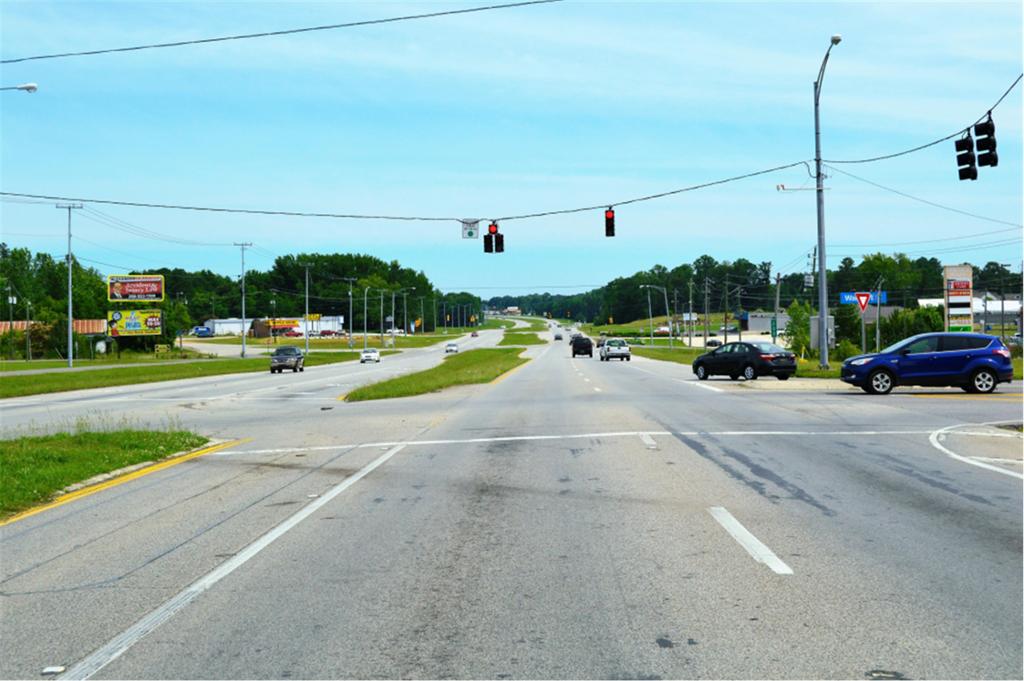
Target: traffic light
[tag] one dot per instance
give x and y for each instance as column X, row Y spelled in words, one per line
column 609, row 222
column 499, row 243
column 965, row 158
column 492, row 230
column 986, row 143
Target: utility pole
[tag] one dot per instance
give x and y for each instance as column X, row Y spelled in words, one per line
column 433, row 304
column 689, row 326
column 878, row 315
column 273, row 318
column 71, row 320
column 305, row 322
column 707, row 300
column 778, row 284
column 351, row 315
column 444, row 314
column 739, row 307
column 10, row 318
column 423, row 319
column 725, row 314
column 245, row 333
column 382, row 319
column 28, row 339
column 366, row 313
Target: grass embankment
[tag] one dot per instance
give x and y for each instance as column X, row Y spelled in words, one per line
column 680, row 355
column 474, row 366
column 517, row 338
column 34, row 468
column 19, row 386
column 125, row 358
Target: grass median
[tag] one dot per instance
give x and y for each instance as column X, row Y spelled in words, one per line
column 474, row 366
column 680, row 355
column 34, row 468
column 515, row 338
column 20, row 386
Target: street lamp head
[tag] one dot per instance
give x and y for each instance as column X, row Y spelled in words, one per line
column 28, row 87
column 836, row 39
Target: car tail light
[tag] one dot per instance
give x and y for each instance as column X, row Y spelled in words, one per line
column 1004, row 351
column 768, row 357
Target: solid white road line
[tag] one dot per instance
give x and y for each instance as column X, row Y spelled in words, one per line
column 694, row 383
column 935, row 436
column 574, row 436
column 757, row 550
column 121, row 643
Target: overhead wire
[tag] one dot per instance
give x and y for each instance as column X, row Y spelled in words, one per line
column 925, row 201
column 268, row 34
column 961, row 131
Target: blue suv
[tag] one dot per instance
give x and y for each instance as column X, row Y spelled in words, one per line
column 971, row 361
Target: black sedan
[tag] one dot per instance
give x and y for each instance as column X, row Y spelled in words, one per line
column 748, row 360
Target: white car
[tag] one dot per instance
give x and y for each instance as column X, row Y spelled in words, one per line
column 451, row 347
column 369, row 355
column 615, row 348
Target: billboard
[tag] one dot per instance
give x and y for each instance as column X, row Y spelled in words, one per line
column 850, row 298
column 148, row 287
column 121, row 323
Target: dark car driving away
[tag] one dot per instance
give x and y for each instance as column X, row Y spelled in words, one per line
column 748, row 360
column 581, row 345
column 974, row 362
column 286, row 357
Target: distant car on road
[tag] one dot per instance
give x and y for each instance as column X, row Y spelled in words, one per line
column 369, row 355
column 713, row 343
column 287, row 357
column 202, row 332
column 748, row 360
column 558, row 336
column 474, row 335
column 581, row 345
column 327, row 332
column 292, row 333
column 974, row 362
column 451, row 347
column 615, row 348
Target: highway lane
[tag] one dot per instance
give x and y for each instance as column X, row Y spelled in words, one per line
column 556, row 523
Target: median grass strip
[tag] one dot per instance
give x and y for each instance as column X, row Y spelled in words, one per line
column 515, row 338
column 34, row 468
column 474, row 366
column 680, row 355
column 20, row 386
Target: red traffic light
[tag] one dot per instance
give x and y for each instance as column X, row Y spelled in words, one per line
column 492, row 228
column 609, row 214
column 609, row 222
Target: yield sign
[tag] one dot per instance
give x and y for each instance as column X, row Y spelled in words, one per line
column 863, row 299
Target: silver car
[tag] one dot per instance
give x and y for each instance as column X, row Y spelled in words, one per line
column 287, row 357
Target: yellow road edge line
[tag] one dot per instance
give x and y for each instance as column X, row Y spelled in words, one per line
column 511, row 371
column 341, row 397
column 120, row 480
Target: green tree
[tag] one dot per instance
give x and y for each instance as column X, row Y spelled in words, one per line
column 798, row 331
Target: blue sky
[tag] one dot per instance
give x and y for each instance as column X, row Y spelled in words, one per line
column 507, row 112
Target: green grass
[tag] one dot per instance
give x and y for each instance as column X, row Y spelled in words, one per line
column 516, row 338
column 474, row 366
column 497, row 324
column 34, row 468
column 126, row 358
column 19, row 386
column 680, row 355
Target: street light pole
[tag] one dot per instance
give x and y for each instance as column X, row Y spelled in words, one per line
column 366, row 313
column 820, row 193
column 650, row 313
column 351, row 316
column 306, row 320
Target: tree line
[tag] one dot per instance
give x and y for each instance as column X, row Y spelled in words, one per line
column 38, row 284
column 710, row 286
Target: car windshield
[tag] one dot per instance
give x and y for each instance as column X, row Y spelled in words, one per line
column 286, row 351
column 615, row 343
column 768, row 348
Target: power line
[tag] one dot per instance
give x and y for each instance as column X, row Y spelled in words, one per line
column 938, row 141
column 925, row 201
column 268, row 34
column 927, row 241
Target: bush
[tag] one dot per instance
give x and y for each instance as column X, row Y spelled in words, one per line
column 845, row 350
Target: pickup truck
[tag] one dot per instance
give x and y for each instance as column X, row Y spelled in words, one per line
column 616, row 348
column 581, row 345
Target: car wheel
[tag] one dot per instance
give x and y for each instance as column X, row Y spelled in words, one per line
column 749, row 373
column 880, row 382
column 783, row 377
column 734, row 377
column 272, row 370
column 983, row 381
column 702, row 373
column 295, row 370
column 302, row 368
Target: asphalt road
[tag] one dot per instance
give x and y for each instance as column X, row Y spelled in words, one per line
column 575, row 519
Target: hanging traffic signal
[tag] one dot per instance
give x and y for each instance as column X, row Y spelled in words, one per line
column 499, row 243
column 494, row 242
column 986, row 143
column 609, row 222
column 965, row 158
column 488, row 243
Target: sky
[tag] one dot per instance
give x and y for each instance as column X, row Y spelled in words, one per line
column 509, row 112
